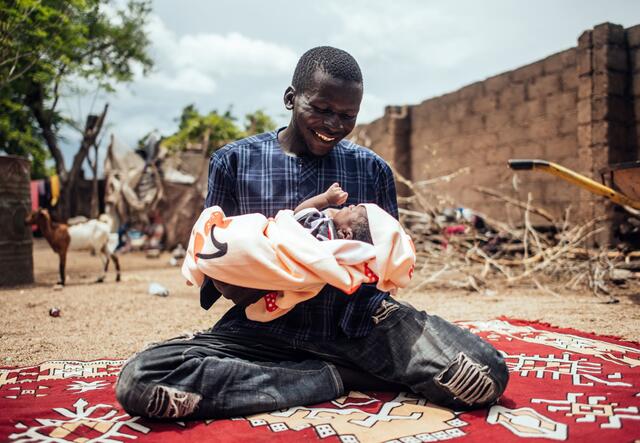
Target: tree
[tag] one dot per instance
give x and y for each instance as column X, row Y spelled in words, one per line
column 45, row 44
column 213, row 129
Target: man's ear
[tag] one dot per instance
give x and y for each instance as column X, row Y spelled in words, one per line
column 289, row 96
column 345, row 233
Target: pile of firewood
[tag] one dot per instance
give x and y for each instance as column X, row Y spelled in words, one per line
column 462, row 248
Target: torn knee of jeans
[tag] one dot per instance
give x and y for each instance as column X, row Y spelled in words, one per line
column 166, row 402
column 468, row 381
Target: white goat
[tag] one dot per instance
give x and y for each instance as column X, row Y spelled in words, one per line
column 92, row 235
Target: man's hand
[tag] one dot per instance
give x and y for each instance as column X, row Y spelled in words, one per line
column 335, row 195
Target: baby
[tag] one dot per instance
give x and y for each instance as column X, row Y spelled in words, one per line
column 268, row 265
column 349, row 223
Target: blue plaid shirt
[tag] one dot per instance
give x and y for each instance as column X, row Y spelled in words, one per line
column 255, row 175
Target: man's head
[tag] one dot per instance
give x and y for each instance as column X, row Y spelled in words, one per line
column 324, row 98
column 352, row 223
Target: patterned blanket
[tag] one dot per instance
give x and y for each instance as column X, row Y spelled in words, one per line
column 565, row 386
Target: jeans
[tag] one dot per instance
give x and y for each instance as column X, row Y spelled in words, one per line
column 219, row 374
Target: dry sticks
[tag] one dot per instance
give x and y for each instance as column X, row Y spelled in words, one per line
column 466, row 249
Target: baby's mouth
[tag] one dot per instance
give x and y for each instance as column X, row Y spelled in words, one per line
column 324, row 138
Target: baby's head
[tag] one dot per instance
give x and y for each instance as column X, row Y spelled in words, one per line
column 351, row 223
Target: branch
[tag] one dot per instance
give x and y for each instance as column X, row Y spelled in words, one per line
column 526, row 206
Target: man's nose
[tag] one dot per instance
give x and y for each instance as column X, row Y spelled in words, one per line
column 333, row 122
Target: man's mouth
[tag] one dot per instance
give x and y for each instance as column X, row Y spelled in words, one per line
column 323, row 137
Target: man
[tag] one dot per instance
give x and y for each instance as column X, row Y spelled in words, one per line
column 333, row 342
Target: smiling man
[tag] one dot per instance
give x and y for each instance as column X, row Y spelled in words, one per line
column 333, row 342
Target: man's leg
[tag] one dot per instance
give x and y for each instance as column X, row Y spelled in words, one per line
column 214, row 375
column 441, row 361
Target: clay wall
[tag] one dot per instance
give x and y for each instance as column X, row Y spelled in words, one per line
column 579, row 108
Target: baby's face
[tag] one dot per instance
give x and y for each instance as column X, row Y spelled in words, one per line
column 347, row 216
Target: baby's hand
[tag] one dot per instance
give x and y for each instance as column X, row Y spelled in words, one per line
column 335, row 195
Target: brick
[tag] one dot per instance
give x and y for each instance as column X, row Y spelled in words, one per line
column 497, row 83
column 619, row 137
column 542, row 129
column 584, row 112
column 620, row 110
column 608, row 33
column 553, row 64
column 599, row 108
column 569, row 79
column 584, row 61
column 498, row 156
column 610, row 83
column 527, row 150
column 473, row 90
column 527, row 72
column 600, row 134
column 528, row 111
column 569, row 57
column 485, row 140
column 511, row 95
column 635, row 87
column 497, row 120
column 633, row 36
column 472, row 124
column 634, row 60
column 457, row 111
column 586, row 39
column 487, row 103
column 541, row 86
column 584, row 135
column 511, row 134
column 562, row 147
column 611, row 57
column 451, row 129
column 560, row 103
column 568, row 123
column 585, row 88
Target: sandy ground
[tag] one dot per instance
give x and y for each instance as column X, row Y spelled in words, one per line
column 113, row 320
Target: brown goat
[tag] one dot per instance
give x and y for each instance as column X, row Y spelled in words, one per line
column 92, row 235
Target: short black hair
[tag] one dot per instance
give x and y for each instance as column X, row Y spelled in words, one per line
column 335, row 62
column 360, row 230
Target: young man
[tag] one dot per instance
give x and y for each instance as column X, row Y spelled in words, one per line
column 331, row 343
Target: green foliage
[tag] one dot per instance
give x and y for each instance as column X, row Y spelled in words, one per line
column 215, row 128
column 45, row 43
column 258, row 122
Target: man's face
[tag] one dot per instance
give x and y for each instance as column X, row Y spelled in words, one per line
column 325, row 112
column 346, row 217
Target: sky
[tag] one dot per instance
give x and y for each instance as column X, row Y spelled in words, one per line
column 240, row 55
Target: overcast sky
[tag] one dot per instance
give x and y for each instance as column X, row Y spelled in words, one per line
column 241, row 54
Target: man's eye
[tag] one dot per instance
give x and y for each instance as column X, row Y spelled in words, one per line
column 320, row 110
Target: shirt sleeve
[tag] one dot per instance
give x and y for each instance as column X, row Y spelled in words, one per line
column 221, row 185
column 386, row 189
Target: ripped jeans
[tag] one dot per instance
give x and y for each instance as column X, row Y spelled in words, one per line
column 220, row 374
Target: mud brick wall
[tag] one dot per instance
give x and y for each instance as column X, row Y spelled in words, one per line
column 575, row 107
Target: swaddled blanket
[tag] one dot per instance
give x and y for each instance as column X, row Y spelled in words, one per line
column 279, row 254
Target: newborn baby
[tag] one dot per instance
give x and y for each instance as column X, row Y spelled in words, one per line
column 269, row 265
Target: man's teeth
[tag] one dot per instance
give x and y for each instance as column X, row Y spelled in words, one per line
column 324, row 137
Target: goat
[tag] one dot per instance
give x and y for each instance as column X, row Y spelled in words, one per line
column 92, row 235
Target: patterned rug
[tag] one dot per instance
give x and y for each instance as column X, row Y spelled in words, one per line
column 565, row 386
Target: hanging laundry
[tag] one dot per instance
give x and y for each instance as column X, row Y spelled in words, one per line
column 55, row 189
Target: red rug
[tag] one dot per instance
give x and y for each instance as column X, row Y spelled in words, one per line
column 565, row 385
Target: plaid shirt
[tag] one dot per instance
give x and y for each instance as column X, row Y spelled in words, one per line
column 255, row 175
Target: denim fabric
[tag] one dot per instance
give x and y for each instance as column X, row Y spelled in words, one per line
column 218, row 374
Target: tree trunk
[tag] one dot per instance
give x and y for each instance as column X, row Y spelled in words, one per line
column 92, row 129
column 95, row 204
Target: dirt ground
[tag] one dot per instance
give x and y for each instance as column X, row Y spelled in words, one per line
column 113, row 320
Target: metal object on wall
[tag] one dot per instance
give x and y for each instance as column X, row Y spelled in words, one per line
column 16, row 243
